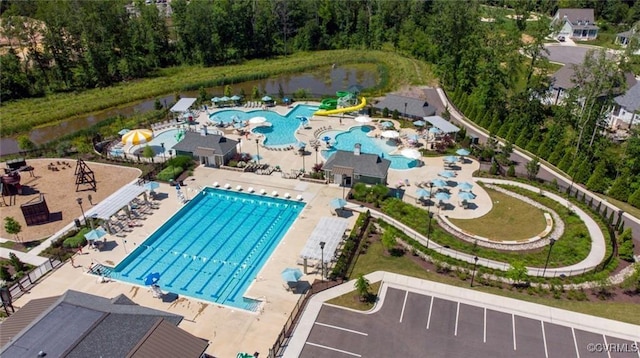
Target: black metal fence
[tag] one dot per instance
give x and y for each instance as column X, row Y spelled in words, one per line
column 23, row 285
column 278, row 347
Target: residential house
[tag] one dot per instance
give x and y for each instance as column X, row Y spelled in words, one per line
column 576, row 24
column 626, row 113
column 209, row 149
column 77, row 324
column 349, row 168
column 409, row 107
column 624, row 38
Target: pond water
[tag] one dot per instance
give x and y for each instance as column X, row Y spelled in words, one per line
column 324, row 81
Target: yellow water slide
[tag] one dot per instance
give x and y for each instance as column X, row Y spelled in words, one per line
column 329, row 112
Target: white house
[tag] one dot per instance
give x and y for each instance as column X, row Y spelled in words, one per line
column 576, row 24
column 627, row 110
column 624, row 38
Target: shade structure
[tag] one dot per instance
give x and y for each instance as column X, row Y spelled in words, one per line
column 151, row 186
column 465, row 195
column 442, row 196
column 301, row 145
column 447, row 174
column 463, row 152
column 238, row 125
column 410, row 153
column 152, row 278
column 439, row 183
column 124, row 131
column 225, row 99
column 338, row 203
column 235, row 98
column 267, row 99
column 328, row 230
column 421, row 193
column 434, row 130
column 137, row 136
column 326, row 138
column 362, row 119
column 419, row 123
column 413, row 137
column 291, row 274
column 96, row 234
column 257, row 120
column 390, row 134
column 464, row 186
column 386, row 124
column 183, row 105
column 450, row 159
column 215, row 99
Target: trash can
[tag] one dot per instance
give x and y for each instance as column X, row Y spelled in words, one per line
column 77, row 222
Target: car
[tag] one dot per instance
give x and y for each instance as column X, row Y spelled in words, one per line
column 561, row 38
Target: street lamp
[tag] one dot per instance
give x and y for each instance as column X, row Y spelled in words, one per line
column 163, row 157
column 302, row 152
column 321, row 261
column 79, row 201
column 316, row 148
column 551, row 242
column 258, row 151
column 405, row 110
column 344, row 177
column 429, row 213
column 475, row 265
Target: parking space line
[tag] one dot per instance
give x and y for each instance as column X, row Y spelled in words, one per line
column 575, row 342
column 484, row 337
column 333, row 349
column 342, row 329
column 430, row 310
column 544, row 340
column 513, row 321
column 455, row 331
column 606, row 345
column 404, row 304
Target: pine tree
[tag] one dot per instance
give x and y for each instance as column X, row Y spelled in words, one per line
column 620, row 188
column 634, row 199
column 597, row 181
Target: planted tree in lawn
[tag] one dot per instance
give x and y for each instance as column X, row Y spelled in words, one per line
column 533, row 167
column 517, row 273
column 362, row 287
column 13, row 227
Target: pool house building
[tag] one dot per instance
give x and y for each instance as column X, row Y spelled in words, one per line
column 347, row 168
column 212, row 150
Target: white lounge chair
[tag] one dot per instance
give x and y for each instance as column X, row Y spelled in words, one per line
column 287, row 195
column 299, row 197
column 227, row 186
column 251, row 190
column 239, row 188
column 263, row 192
column 274, row 193
column 215, row 185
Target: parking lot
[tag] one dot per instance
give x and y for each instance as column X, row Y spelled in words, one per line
column 410, row 324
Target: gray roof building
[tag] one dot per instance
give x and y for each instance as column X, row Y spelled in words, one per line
column 195, row 142
column 631, row 99
column 363, row 164
column 415, row 107
column 78, row 324
column 577, row 17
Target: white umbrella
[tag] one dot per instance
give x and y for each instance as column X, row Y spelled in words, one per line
column 410, row 153
column 137, row 136
column 362, row 119
column 257, row 120
column 390, row 134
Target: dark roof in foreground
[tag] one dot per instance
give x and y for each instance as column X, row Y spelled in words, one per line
column 630, row 100
column 77, row 324
column 370, row 165
column 416, row 107
column 194, row 140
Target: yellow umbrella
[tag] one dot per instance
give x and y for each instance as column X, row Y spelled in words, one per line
column 137, row 136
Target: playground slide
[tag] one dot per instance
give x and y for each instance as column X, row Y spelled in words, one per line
column 329, row 103
column 342, row 110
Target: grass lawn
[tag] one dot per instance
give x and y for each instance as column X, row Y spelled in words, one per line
column 628, row 208
column 509, row 219
column 352, row 300
column 376, row 260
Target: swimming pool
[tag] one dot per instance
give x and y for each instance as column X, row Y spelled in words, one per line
column 282, row 130
column 168, row 137
column 347, row 140
column 214, row 247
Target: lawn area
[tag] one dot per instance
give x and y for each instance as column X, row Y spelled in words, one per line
column 376, row 260
column 628, row 208
column 510, row 219
column 352, row 300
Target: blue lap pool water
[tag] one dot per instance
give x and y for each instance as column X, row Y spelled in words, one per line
column 213, row 248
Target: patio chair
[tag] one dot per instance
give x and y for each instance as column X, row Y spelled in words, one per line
column 299, row 197
column 287, row 195
column 251, row 190
column 227, row 186
column 274, row 193
column 215, row 184
column 263, row 192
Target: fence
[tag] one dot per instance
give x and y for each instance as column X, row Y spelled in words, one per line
column 26, row 282
column 283, row 337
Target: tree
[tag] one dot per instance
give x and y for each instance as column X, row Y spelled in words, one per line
column 533, row 166
column 620, row 188
column 18, row 265
column 148, row 152
column 25, row 143
column 517, row 272
column 634, row 199
column 597, row 181
column 389, row 240
column 362, row 287
column 13, row 227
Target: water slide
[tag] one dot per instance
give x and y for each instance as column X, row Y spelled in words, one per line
column 328, row 104
column 323, row 112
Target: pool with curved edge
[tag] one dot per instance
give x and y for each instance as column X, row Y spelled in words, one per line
column 168, row 137
column 283, row 128
column 346, row 140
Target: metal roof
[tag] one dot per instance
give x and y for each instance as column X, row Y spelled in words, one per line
column 442, row 124
column 328, row 230
column 18, row 321
column 183, row 105
column 115, row 202
column 167, row 340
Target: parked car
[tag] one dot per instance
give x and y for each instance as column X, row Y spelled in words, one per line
column 561, row 38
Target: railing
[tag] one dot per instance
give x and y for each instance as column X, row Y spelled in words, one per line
column 23, row 285
column 285, row 334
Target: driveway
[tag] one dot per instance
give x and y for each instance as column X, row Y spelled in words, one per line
column 569, row 54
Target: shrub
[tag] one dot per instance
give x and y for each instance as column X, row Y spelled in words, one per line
column 625, row 251
column 511, row 172
column 75, row 241
column 181, row 161
column 169, row 173
column 16, row 263
column 4, row 273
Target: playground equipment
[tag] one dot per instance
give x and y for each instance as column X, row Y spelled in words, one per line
column 180, row 134
column 36, row 211
column 327, row 112
column 84, row 175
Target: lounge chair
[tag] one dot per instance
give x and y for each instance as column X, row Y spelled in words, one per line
column 263, row 192
column 227, row 186
column 287, row 195
column 299, row 197
column 239, row 188
column 250, row 189
column 274, row 193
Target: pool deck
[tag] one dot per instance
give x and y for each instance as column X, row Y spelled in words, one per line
column 231, row 330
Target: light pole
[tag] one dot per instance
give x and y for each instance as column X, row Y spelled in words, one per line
column 258, row 151
column 405, row 110
column 475, row 265
column 429, row 213
column 551, row 242
column 321, row 261
column 302, row 152
column 316, row 148
column 344, row 177
column 163, row 157
column 79, row 201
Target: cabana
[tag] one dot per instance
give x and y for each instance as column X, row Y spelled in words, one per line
column 328, row 230
column 183, row 105
column 442, row 124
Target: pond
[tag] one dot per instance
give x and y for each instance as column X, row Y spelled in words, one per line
column 323, row 81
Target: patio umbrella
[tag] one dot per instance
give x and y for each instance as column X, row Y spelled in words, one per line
column 116, row 152
column 238, row 125
column 215, row 99
column 410, row 153
column 124, row 131
column 225, row 99
column 301, row 144
column 235, row 98
column 465, row 195
column 419, row 123
column 257, row 157
column 386, row 124
column 463, row 152
column 257, row 120
column 390, row 134
column 266, row 99
column 434, row 130
column 421, row 193
column 303, row 118
column 439, row 183
column 450, row 159
column 96, row 234
column 326, row 138
column 464, row 186
column 151, row 186
column 442, row 196
column 338, row 203
column 291, row 274
column 414, row 138
column 447, row 174
column 152, row 278
column 137, row 136
column 362, row 119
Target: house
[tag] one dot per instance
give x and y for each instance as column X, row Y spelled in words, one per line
column 576, row 24
column 624, row 38
column 349, row 168
column 414, row 108
column 77, row 324
column 626, row 113
column 209, row 149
